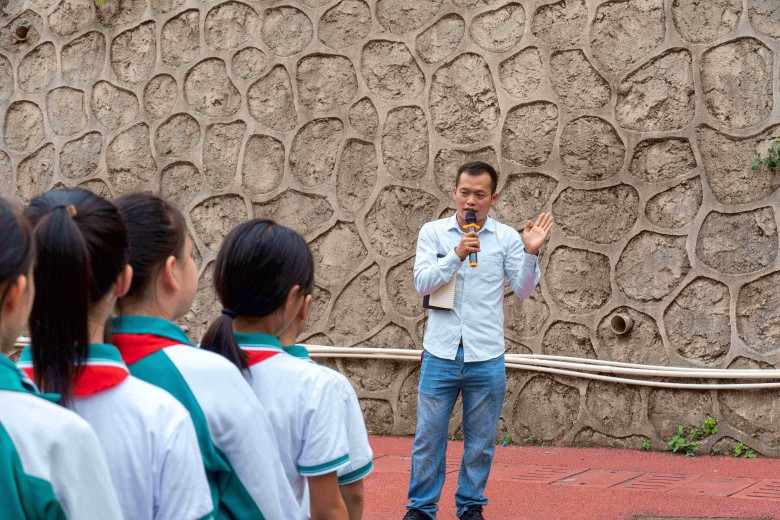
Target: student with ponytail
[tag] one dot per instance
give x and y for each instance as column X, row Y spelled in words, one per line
column 51, row 462
column 263, row 274
column 360, row 454
column 81, row 269
column 236, row 440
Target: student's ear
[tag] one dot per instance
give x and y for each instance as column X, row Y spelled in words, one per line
column 303, row 313
column 168, row 274
column 494, row 199
column 14, row 296
column 123, row 281
column 292, row 300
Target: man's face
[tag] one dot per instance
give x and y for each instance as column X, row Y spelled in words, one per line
column 473, row 194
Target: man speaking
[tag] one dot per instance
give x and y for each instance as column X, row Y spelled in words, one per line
column 464, row 345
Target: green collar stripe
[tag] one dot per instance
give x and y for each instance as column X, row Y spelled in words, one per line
column 149, row 325
column 323, row 468
column 354, row 476
column 97, row 353
column 256, row 339
column 298, row 351
column 11, row 377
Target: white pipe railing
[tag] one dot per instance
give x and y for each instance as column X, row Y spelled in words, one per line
column 571, row 366
column 583, row 368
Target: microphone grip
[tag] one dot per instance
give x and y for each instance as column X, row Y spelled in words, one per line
column 473, row 259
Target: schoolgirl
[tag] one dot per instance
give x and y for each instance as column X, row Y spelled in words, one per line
column 149, row 438
column 262, row 275
column 237, row 443
column 360, row 454
column 51, row 462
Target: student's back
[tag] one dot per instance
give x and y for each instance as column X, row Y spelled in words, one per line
column 303, row 404
column 51, row 463
column 234, row 433
column 263, row 276
column 148, row 435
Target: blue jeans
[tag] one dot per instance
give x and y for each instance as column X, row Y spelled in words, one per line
column 483, row 386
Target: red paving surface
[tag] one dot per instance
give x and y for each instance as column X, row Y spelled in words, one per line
column 545, row 483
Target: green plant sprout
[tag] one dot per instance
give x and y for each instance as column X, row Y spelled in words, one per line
column 772, row 158
column 687, row 442
column 645, row 446
column 744, row 451
column 709, row 426
column 682, row 442
column 533, row 438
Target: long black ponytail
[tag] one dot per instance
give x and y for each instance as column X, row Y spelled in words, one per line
column 81, row 247
column 256, row 267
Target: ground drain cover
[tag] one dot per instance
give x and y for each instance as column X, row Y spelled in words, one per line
column 763, row 490
column 657, row 482
column 532, row 474
column 598, row 478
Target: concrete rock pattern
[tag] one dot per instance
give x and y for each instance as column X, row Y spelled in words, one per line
column 464, row 106
column 521, row 73
column 737, row 82
column 576, row 212
column 440, row 39
column 635, row 272
column 636, row 121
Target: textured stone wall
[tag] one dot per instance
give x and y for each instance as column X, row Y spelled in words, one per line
column 634, row 121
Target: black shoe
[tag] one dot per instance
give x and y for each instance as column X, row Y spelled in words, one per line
column 416, row 514
column 473, row 513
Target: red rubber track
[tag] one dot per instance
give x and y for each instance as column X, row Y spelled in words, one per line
column 550, row 483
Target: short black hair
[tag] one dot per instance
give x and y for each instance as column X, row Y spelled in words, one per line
column 258, row 264
column 156, row 230
column 478, row 168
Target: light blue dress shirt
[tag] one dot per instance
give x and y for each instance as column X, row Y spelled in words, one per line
column 478, row 316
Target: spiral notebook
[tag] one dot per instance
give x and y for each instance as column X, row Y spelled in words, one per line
column 443, row 298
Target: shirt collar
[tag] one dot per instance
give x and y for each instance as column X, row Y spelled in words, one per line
column 149, row 325
column 298, row 351
column 257, row 339
column 452, row 223
column 96, row 353
column 13, row 379
column 103, row 369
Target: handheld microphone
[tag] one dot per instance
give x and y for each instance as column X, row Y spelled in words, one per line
column 471, row 225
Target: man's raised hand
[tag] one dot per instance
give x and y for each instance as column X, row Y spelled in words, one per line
column 534, row 235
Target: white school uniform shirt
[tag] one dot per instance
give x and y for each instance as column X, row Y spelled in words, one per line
column 237, row 442
column 304, row 406
column 148, row 437
column 361, row 456
column 51, row 462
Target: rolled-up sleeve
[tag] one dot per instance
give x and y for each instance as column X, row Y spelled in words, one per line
column 431, row 272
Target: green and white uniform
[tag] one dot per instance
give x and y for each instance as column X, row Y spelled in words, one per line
column 237, row 442
column 304, row 405
column 52, row 465
column 147, row 435
column 360, row 454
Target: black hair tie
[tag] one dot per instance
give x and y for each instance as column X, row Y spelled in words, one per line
column 230, row 314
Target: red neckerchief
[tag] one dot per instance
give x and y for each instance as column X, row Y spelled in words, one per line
column 103, row 369
column 135, row 347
